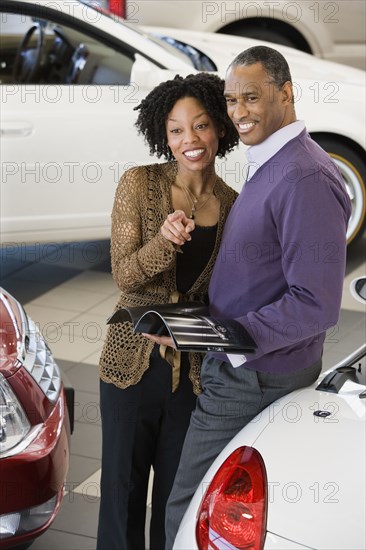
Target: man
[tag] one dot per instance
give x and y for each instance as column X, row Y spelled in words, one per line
column 280, row 270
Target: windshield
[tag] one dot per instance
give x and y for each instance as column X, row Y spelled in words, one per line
column 199, row 60
column 186, row 52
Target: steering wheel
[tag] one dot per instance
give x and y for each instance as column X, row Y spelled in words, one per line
column 28, row 60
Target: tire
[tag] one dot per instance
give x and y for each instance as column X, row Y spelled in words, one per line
column 353, row 170
column 270, row 30
column 261, row 33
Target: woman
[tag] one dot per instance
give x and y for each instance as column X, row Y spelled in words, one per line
column 167, row 222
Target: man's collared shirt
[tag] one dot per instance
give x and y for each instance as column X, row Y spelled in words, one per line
column 259, row 154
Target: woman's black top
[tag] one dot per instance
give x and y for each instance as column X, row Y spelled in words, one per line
column 195, row 257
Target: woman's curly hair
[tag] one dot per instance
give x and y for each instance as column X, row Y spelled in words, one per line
column 207, row 88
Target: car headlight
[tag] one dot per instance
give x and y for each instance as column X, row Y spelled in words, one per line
column 14, row 424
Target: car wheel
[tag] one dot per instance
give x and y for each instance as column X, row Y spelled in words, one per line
column 353, row 170
column 268, row 35
column 266, row 29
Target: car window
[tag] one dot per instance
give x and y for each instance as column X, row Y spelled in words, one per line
column 46, row 52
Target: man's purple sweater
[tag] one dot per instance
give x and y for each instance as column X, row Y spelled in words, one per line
column 281, row 264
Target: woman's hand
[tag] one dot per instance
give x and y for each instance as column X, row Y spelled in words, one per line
column 177, row 228
column 161, row 340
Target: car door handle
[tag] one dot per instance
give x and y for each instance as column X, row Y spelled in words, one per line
column 16, row 128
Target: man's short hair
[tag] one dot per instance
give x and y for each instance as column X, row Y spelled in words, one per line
column 272, row 61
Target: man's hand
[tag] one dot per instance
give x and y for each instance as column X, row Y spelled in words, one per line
column 177, row 228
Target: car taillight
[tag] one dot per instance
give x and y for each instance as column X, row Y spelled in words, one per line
column 233, row 513
column 118, row 7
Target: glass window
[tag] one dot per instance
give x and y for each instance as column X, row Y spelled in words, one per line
column 46, row 52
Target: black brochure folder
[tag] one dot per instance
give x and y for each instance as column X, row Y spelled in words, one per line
column 190, row 325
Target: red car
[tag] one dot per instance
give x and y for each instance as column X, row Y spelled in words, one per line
column 36, row 416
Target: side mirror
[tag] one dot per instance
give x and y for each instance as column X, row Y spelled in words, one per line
column 358, row 289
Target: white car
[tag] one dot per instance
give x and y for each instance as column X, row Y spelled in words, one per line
column 294, row 477
column 70, row 79
column 330, row 30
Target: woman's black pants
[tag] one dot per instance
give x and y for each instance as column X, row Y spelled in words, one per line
column 143, row 426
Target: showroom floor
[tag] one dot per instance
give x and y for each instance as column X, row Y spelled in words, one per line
column 69, row 291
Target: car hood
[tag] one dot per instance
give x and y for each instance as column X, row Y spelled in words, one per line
column 315, row 468
column 222, row 48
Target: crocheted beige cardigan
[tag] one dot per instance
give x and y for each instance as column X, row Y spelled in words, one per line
column 143, row 266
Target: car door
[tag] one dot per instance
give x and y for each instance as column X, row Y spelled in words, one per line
column 68, row 134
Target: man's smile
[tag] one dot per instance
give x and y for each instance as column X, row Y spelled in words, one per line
column 245, row 126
